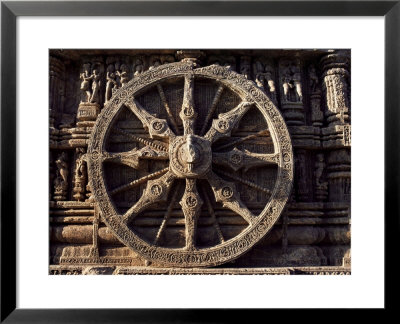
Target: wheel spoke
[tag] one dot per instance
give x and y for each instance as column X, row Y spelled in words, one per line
column 243, row 139
column 156, row 191
column 131, row 158
column 137, row 182
column 226, row 122
column 213, row 217
column 188, row 114
column 212, row 109
column 166, row 216
column 167, row 108
column 191, row 206
column 244, row 181
column 153, row 144
column 157, row 127
column 226, row 193
column 237, row 159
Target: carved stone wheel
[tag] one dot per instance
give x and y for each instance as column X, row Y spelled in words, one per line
column 190, row 166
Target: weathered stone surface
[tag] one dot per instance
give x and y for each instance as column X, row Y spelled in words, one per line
column 184, row 159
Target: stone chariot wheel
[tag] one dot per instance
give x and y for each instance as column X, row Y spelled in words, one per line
column 190, row 166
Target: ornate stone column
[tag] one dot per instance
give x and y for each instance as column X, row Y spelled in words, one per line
column 339, row 175
column 317, row 116
column 335, row 68
column 321, row 186
column 56, row 88
column 303, row 188
column 336, row 87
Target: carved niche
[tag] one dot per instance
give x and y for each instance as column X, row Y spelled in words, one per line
column 179, row 144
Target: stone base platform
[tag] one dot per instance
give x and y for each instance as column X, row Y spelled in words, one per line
column 123, row 270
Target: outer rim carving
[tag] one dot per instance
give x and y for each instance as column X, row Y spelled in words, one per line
column 230, row 249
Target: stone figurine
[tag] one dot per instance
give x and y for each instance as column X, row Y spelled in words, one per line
column 139, row 68
column 270, row 81
column 80, row 177
column 123, row 75
column 95, row 77
column 61, row 180
column 85, row 85
column 156, row 62
column 291, row 82
column 111, row 83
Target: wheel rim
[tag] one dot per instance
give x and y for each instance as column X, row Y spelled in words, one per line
column 195, row 155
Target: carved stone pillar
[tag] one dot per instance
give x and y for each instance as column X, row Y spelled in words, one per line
column 291, row 92
column 56, row 89
column 336, row 87
column 51, row 172
column 317, row 116
column 94, row 251
column 301, row 176
column 339, row 175
column 321, row 186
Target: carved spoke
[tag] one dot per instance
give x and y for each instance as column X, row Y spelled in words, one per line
column 152, row 143
column 226, row 122
column 243, row 139
column 191, row 206
column 131, row 158
column 237, row 159
column 166, row 216
column 188, row 114
column 244, row 181
column 167, row 108
column 138, row 181
column 212, row 109
column 157, row 127
column 156, row 191
column 213, row 217
column 226, row 193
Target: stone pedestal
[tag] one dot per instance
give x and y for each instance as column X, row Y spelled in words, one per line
column 88, row 111
column 60, row 191
column 293, row 113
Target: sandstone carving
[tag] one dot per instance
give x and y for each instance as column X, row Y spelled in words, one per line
column 191, row 158
column 61, row 181
column 178, row 161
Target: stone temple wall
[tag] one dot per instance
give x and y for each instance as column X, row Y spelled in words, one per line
column 311, row 90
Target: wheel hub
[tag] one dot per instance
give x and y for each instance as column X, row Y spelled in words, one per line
column 190, row 156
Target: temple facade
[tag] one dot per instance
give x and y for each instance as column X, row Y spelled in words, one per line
column 199, row 161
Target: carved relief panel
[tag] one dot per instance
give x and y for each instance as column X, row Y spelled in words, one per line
column 187, row 159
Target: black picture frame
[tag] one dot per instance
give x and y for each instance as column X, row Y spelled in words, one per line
column 10, row 10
